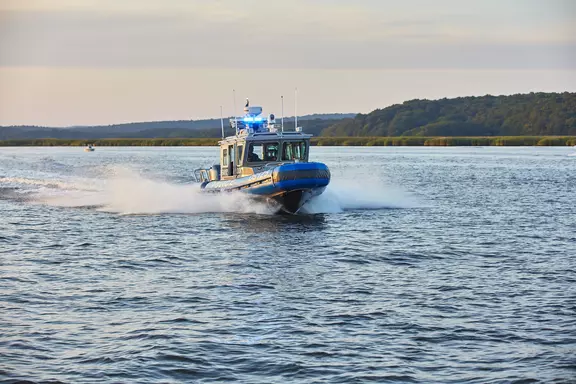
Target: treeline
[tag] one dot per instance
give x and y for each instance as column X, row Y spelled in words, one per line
column 157, row 129
column 313, row 126
column 447, row 141
column 180, row 142
column 318, row 141
column 534, row 114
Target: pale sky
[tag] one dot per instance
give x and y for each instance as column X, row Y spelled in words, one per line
column 81, row 62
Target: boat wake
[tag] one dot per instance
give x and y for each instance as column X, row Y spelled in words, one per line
column 124, row 191
column 54, row 184
column 346, row 195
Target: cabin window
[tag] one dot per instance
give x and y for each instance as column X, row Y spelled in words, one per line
column 231, row 164
column 240, row 153
column 231, row 153
column 263, row 152
column 294, row 150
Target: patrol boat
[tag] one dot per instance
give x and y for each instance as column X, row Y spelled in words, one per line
column 264, row 160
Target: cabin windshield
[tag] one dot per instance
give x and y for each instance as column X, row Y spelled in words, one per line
column 263, row 152
column 294, row 150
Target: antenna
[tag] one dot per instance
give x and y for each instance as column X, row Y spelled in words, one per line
column 282, row 97
column 222, row 121
column 295, row 109
column 235, row 114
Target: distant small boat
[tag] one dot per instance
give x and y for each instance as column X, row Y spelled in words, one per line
column 89, row 148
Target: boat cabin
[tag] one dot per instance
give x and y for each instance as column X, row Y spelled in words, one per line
column 259, row 144
column 245, row 155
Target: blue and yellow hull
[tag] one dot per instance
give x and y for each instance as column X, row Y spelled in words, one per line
column 291, row 185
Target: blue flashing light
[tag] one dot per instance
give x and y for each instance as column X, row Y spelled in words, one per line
column 248, row 119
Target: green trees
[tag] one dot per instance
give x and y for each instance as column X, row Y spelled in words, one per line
column 536, row 114
column 443, row 141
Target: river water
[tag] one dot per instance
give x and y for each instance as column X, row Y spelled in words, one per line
column 417, row 265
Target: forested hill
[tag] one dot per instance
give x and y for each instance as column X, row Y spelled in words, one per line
column 534, row 114
column 517, row 115
column 156, row 129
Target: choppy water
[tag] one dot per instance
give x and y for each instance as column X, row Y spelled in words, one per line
column 419, row 265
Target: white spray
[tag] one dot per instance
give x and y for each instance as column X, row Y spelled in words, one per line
column 344, row 195
column 125, row 191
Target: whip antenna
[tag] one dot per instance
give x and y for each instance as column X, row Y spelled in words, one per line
column 222, row 121
column 282, row 97
column 235, row 114
column 295, row 109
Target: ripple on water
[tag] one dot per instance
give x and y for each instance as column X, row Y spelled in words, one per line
column 475, row 284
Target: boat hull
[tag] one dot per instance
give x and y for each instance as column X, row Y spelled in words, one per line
column 290, row 185
column 292, row 201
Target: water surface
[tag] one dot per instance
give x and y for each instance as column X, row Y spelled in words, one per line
column 417, row 265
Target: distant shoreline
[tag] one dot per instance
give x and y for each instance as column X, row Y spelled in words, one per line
column 316, row 141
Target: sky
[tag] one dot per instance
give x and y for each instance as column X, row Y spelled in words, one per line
column 85, row 62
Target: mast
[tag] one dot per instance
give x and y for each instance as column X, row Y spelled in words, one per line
column 235, row 114
column 282, row 97
column 295, row 109
column 222, row 121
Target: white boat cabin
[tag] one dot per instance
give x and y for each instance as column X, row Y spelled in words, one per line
column 245, row 155
column 259, row 144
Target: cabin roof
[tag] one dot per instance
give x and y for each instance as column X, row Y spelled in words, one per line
column 266, row 136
